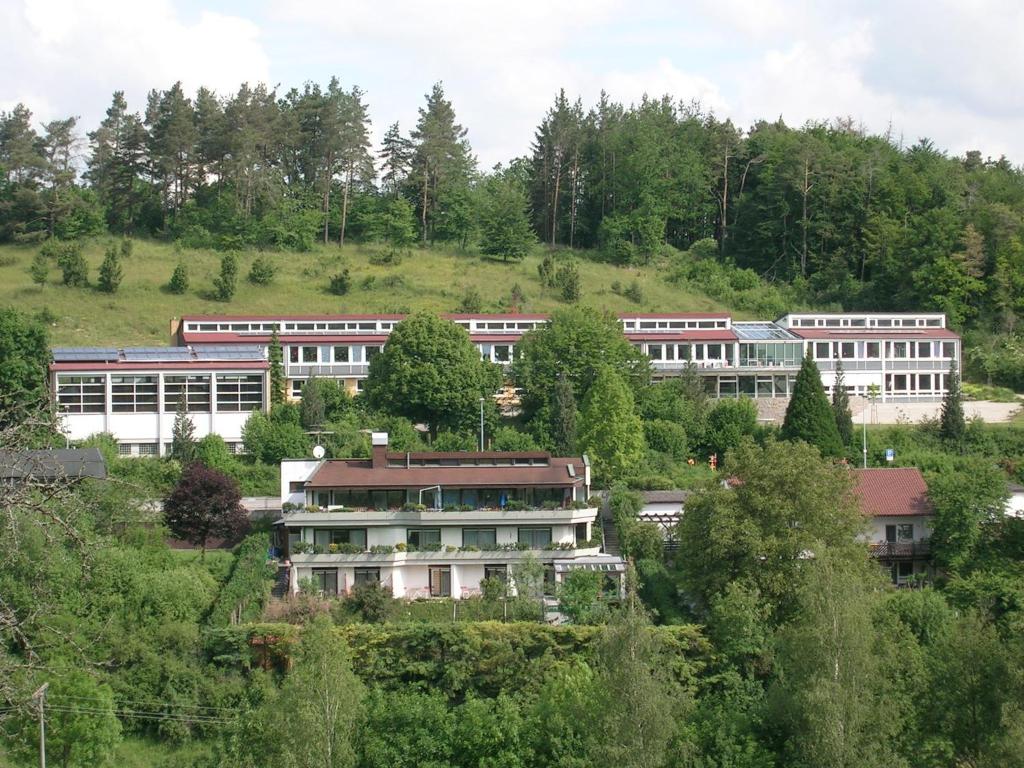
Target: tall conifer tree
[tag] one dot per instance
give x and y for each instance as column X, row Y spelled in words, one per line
column 809, row 416
column 841, row 406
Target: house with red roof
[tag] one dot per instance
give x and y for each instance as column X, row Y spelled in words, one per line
column 895, row 499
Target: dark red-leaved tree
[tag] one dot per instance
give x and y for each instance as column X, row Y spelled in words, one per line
column 205, row 503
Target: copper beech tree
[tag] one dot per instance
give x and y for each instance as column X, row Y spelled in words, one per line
column 204, row 504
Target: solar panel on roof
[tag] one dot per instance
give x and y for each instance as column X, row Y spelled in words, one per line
column 84, row 354
column 156, row 354
column 237, row 352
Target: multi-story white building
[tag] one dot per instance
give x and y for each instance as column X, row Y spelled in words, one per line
column 895, row 501
column 905, row 355
column 133, row 393
column 437, row 524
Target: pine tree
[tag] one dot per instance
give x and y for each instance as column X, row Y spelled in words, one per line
column 611, row 432
column 224, row 283
column 110, row 271
column 809, row 416
column 277, row 380
column 183, row 434
column 841, row 406
column 179, row 280
column 354, row 152
column 952, row 425
column 395, row 159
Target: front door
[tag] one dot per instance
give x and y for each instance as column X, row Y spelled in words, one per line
column 441, row 581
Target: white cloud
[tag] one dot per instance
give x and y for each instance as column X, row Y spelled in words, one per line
column 68, row 57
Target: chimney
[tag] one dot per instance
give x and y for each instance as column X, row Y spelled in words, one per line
column 379, row 451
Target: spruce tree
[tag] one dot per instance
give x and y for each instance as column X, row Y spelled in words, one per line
column 312, row 409
column 809, row 416
column 110, row 271
column 563, row 419
column 277, row 381
column 952, row 425
column 39, row 270
column 841, row 406
column 224, row 283
column 179, row 280
column 183, row 434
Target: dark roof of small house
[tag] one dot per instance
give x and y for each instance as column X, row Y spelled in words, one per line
column 892, row 492
column 360, row 473
column 665, row 497
column 59, row 463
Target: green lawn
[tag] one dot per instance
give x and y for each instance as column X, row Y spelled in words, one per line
column 140, row 313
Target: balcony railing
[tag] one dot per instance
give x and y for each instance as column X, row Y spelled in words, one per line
column 900, row 550
column 378, row 554
column 327, row 369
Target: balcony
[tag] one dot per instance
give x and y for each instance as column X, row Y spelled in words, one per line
column 900, row 550
column 391, row 556
column 312, row 516
column 305, row 370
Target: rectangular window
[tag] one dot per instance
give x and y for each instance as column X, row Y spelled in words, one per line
column 479, row 537
column 195, row 390
column 781, row 388
column 654, row 351
column 899, row 349
column 441, row 581
column 124, row 449
column 899, row 532
column 949, row 349
column 499, row 572
column 293, row 354
column 326, row 580
column 902, row 572
column 899, row 382
column 341, row 354
column 502, row 353
column 149, row 449
column 924, row 349
column 372, row 352
column 535, row 538
column 847, row 350
column 822, row 350
column 871, row 349
column 296, row 388
column 327, row 536
column 924, row 382
column 309, row 354
column 239, row 392
column 714, row 351
column 81, row 394
column 580, row 532
column 133, row 394
column 367, row 576
column 423, row 537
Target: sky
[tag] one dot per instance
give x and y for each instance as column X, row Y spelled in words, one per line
column 948, row 70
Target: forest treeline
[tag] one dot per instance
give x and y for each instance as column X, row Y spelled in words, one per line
column 847, row 218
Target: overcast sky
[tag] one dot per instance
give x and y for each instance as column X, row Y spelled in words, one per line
column 951, row 70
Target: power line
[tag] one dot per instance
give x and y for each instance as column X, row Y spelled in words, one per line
column 149, row 703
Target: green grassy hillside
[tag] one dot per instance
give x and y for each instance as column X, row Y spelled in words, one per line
column 139, row 313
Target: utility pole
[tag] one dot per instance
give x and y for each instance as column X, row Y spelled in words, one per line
column 40, row 695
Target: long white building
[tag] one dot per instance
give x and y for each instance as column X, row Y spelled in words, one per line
column 903, row 357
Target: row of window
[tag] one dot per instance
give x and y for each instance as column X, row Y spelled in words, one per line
column 690, row 352
column 336, row 354
column 867, row 322
column 751, row 386
column 915, row 383
column 535, row 537
column 674, row 325
column 440, row 578
column 140, row 393
column 450, row 497
column 894, row 350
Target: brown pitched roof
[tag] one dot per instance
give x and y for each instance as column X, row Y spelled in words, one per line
column 892, row 491
column 360, row 473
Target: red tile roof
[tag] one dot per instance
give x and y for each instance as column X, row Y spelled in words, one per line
column 892, row 492
column 360, row 473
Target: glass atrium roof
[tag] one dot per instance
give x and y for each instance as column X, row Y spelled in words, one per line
column 762, row 331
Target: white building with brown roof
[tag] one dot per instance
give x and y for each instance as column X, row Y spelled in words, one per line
column 436, row 524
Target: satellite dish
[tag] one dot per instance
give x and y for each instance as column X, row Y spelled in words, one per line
column 318, row 451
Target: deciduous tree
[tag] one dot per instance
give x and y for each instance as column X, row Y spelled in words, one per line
column 204, row 504
column 611, row 433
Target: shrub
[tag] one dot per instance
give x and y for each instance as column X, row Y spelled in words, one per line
column 666, row 437
column 393, row 281
column 372, row 602
column 546, row 271
column 126, row 247
column 262, row 271
column 341, row 283
column 224, row 283
column 179, row 280
column 110, row 271
column 471, row 302
column 634, row 292
column 368, row 283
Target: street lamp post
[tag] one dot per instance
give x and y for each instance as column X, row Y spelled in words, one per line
column 481, row 424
